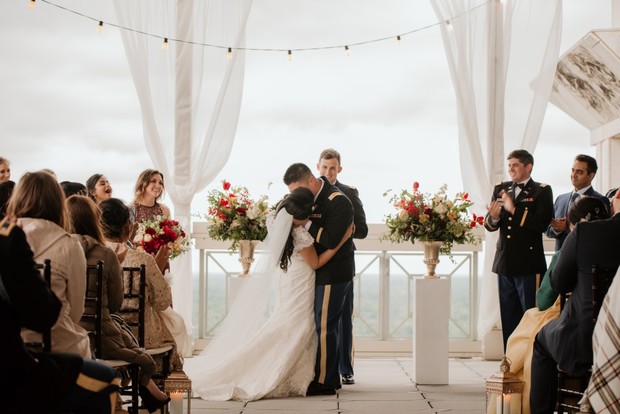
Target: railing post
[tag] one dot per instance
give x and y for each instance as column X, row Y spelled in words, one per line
column 384, row 294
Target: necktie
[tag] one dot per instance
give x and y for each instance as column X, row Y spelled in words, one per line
column 574, row 198
column 515, row 185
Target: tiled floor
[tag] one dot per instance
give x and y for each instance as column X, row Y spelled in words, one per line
column 384, row 386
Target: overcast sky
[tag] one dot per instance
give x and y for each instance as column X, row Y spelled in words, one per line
column 68, row 102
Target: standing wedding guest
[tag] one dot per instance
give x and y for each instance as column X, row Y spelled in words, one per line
column 98, row 188
column 520, row 344
column 566, row 342
column 32, row 382
column 148, row 191
column 115, row 343
column 582, row 173
column 5, row 170
column 329, row 167
column 116, row 227
column 6, row 189
column 71, row 188
column 39, row 205
column 329, row 221
column 521, row 210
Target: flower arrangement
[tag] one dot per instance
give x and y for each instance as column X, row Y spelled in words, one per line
column 234, row 215
column 157, row 232
column 431, row 217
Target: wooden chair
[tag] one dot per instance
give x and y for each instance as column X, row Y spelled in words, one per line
column 91, row 321
column 46, row 338
column 571, row 389
column 133, row 311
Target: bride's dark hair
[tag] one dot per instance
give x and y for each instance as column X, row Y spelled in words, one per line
column 298, row 204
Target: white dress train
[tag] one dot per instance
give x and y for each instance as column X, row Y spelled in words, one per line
column 276, row 361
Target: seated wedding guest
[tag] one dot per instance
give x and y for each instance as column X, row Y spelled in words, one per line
column 5, row 170
column 116, row 343
column 567, row 341
column 519, row 348
column 50, row 172
column 148, row 191
column 604, row 388
column 32, row 382
column 98, row 188
column 6, row 189
column 610, row 195
column 116, row 227
column 71, row 188
column 39, row 205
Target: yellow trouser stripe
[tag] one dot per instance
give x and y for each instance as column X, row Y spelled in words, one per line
column 93, row 384
column 323, row 338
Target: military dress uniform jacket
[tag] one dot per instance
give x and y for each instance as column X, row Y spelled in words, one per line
column 359, row 218
column 331, row 216
column 520, row 247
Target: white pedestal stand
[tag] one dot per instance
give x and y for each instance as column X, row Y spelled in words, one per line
column 430, row 331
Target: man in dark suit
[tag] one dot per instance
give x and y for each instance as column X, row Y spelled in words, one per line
column 583, row 172
column 521, row 210
column 329, row 167
column 567, row 341
column 331, row 217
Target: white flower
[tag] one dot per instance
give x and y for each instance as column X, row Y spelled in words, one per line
column 403, row 214
column 147, row 238
column 440, row 208
column 253, row 212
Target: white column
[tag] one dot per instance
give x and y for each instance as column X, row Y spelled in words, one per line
column 430, row 331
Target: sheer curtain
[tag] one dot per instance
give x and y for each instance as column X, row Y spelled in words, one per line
column 502, row 57
column 190, row 97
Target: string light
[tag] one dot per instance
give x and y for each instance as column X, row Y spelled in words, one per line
column 31, row 4
column 347, row 51
column 100, row 26
column 290, row 56
column 229, row 54
column 398, row 38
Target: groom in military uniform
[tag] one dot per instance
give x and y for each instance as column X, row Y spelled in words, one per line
column 331, row 217
column 521, row 210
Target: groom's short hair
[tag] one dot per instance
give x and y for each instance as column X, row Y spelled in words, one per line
column 296, row 172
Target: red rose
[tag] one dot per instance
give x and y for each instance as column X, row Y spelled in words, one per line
column 465, row 196
column 225, row 185
column 241, row 210
column 416, row 185
column 150, row 230
column 223, row 202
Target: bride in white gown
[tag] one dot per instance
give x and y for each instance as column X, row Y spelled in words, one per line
column 267, row 345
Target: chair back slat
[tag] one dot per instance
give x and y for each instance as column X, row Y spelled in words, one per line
column 134, row 302
column 46, row 338
column 93, row 307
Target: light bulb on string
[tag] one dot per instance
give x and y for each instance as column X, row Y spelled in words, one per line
column 290, row 56
column 164, row 46
column 100, row 27
column 31, row 4
column 347, row 51
column 449, row 26
column 398, row 40
column 229, row 54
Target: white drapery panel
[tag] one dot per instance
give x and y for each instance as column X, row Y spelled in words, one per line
column 502, row 58
column 190, row 98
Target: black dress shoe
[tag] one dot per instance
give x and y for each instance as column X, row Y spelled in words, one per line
column 316, row 388
column 348, row 379
column 151, row 403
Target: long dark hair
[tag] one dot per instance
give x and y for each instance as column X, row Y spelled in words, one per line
column 114, row 217
column 299, row 204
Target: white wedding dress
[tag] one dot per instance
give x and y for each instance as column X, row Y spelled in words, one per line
column 275, row 357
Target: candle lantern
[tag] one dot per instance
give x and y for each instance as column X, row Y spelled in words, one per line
column 504, row 391
column 176, row 385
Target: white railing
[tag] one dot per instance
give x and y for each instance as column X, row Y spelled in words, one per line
column 383, row 286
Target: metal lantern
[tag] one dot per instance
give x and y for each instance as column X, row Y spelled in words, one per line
column 176, row 385
column 504, row 391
